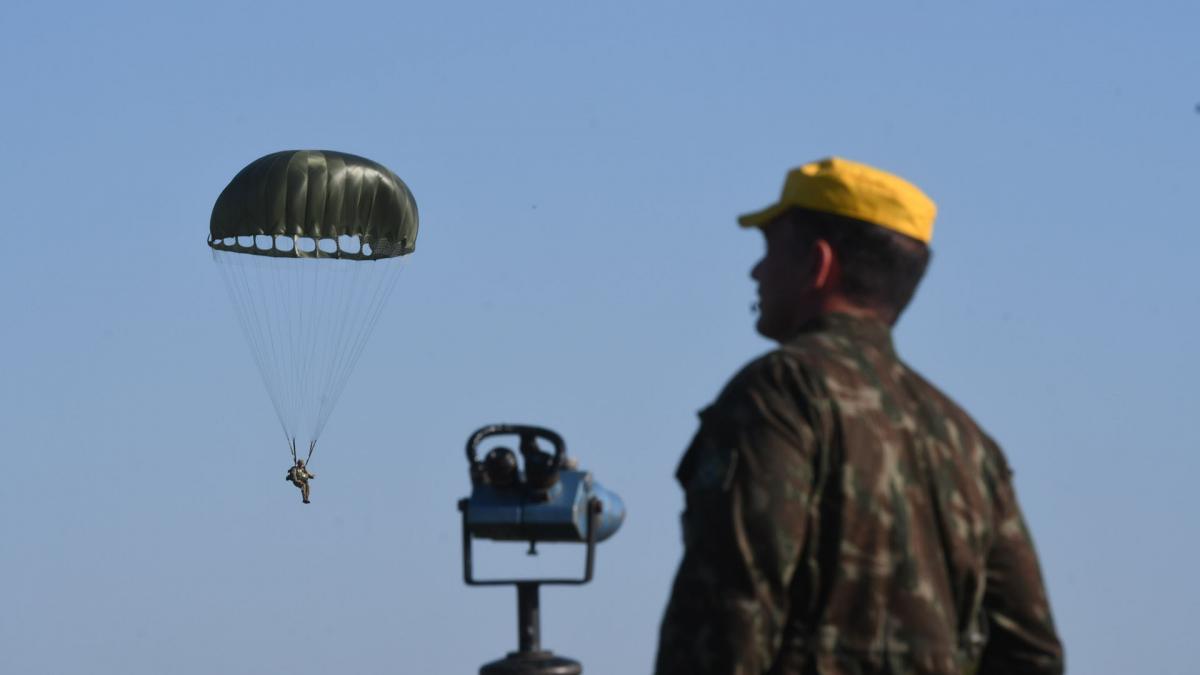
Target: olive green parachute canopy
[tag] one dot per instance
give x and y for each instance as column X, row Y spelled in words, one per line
column 315, row 204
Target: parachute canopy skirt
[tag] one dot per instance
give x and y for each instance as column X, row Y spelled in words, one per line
column 309, row 244
column 314, row 204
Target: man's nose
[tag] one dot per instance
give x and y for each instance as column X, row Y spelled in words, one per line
column 754, row 271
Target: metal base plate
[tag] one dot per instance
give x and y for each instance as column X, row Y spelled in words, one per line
column 532, row 663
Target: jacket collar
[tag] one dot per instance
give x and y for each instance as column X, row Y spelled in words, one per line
column 858, row 329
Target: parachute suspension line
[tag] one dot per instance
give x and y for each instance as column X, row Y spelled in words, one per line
column 297, row 353
column 340, row 366
column 293, row 444
column 279, row 334
column 337, row 303
column 307, row 322
column 312, row 294
column 255, row 276
column 312, row 445
column 252, row 298
column 342, row 299
column 386, row 283
column 372, row 282
column 285, row 344
column 254, row 326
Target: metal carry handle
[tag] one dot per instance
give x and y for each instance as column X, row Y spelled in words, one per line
column 527, row 434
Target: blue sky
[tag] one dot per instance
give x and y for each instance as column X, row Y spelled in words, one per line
column 578, row 168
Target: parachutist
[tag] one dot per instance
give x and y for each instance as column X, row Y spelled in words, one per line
column 361, row 220
column 299, row 475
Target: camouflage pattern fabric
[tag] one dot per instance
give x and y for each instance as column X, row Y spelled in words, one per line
column 298, row 475
column 845, row 517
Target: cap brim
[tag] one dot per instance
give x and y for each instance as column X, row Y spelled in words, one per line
column 763, row 217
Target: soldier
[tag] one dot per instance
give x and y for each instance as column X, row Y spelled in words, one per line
column 843, row 515
column 299, row 476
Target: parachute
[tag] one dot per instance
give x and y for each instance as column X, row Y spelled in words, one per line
column 309, row 244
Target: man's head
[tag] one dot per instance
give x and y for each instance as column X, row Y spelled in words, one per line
column 300, row 463
column 824, row 255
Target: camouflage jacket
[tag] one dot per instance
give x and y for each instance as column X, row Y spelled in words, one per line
column 299, row 475
column 845, row 517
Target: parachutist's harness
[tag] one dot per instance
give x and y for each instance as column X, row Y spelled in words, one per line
column 312, row 445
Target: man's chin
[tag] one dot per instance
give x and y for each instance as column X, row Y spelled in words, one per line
column 766, row 329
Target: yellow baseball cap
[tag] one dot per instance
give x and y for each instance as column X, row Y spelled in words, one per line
column 844, row 188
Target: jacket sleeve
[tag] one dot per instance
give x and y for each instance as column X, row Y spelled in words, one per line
column 1021, row 635
column 747, row 477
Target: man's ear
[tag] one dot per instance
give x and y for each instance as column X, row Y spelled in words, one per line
column 825, row 269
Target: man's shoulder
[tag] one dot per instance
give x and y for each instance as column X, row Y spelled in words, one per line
column 821, row 366
column 941, row 402
column 780, row 383
column 776, row 370
column 802, row 365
